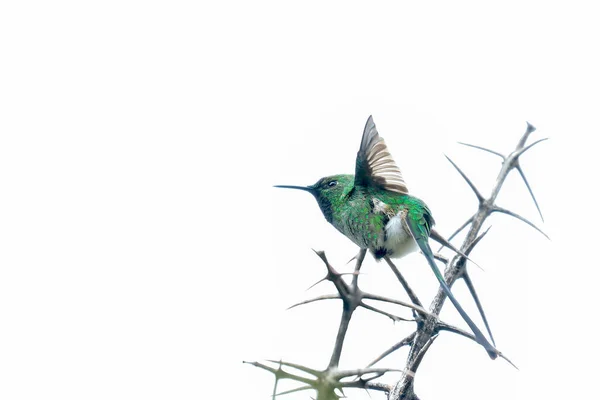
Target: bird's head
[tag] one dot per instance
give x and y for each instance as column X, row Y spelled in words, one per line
column 329, row 192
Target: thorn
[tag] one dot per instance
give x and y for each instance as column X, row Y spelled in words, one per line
column 530, row 191
column 471, row 288
column 393, row 317
column 531, row 145
column 404, row 342
column 421, row 354
column 510, row 362
column 340, row 374
column 299, row 389
column 435, row 235
column 320, row 253
column 297, row 366
column 477, row 240
column 323, row 258
column 315, row 284
column 415, row 307
column 324, row 297
column 479, row 196
column 456, row 232
column 484, row 149
column 517, row 216
column 355, row 273
column 280, row 373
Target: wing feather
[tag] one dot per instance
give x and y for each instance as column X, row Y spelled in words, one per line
column 375, row 165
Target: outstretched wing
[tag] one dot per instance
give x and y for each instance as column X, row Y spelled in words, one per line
column 375, row 165
column 419, row 228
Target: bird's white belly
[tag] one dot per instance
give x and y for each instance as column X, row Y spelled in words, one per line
column 398, row 241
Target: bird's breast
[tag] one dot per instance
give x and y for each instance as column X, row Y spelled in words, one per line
column 398, row 241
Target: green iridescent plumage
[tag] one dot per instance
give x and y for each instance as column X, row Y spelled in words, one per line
column 374, row 210
column 361, row 212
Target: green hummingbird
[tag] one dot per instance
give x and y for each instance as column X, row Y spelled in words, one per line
column 375, row 211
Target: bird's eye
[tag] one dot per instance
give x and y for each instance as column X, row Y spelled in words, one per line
column 332, row 183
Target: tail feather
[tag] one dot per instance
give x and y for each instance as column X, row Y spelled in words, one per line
column 424, row 246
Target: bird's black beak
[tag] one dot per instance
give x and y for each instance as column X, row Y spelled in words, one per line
column 309, row 189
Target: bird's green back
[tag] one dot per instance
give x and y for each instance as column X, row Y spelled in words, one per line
column 352, row 209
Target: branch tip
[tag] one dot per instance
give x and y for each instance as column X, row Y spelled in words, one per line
column 530, row 128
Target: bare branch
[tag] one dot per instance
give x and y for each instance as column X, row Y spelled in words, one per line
column 359, row 260
column 404, row 389
column 351, row 297
column 341, row 335
column 413, row 297
column 274, row 393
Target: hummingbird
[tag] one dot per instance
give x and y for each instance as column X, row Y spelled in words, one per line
column 374, row 209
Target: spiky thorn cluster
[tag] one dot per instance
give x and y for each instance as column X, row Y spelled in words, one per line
column 330, row 383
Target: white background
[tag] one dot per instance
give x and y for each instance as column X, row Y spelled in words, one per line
column 145, row 254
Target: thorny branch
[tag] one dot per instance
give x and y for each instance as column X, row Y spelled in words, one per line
column 404, row 388
column 330, row 383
